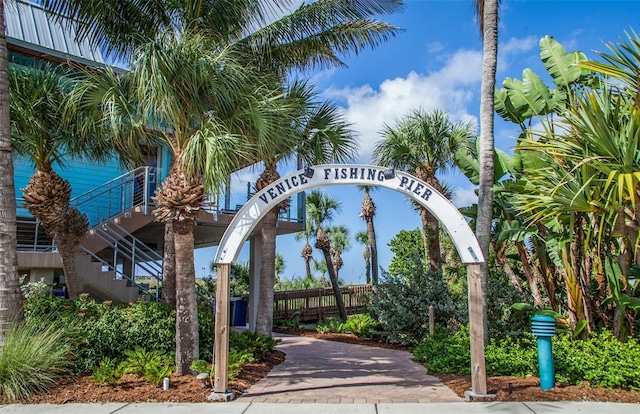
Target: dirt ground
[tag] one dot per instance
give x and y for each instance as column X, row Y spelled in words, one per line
column 188, row 389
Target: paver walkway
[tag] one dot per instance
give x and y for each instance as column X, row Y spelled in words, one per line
column 319, row 371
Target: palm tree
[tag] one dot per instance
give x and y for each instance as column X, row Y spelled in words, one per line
column 10, row 293
column 367, row 213
column 206, row 101
column 423, row 144
column 45, row 133
column 362, row 237
column 321, row 266
column 321, row 209
column 320, row 135
column 309, row 37
column 307, row 250
column 279, row 267
column 339, row 236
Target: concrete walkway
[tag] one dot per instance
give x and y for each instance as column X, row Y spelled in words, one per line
column 319, row 371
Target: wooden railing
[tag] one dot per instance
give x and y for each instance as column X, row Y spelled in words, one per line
column 316, row 304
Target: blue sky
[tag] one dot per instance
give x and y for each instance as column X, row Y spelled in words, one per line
column 436, row 62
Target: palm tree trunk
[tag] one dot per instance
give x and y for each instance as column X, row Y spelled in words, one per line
column 307, row 266
column 431, row 237
column 186, row 307
column 10, row 293
column 264, row 320
column 485, row 194
column 333, row 277
column 323, row 243
column 374, row 251
column 526, row 268
column 66, row 248
column 169, row 266
column 501, row 258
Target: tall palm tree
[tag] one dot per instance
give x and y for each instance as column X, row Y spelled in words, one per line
column 206, row 101
column 307, row 250
column 362, row 237
column 423, row 144
column 280, row 265
column 367, row 213
column 45, row 133
column 321, row 266
column 321, row 209
column 10, row 293
column 319, row 135
column 339, row 236
column 311, row 36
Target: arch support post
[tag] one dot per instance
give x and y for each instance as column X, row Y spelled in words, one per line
column 476, row 336
column 221, row 340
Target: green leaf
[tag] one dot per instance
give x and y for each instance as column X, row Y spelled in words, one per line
column 561, row 65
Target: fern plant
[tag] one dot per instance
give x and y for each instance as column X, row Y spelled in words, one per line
column 108, row 372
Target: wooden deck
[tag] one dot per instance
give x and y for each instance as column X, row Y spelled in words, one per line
column 316, row 304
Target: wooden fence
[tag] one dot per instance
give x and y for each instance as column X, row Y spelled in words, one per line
column 316, row 304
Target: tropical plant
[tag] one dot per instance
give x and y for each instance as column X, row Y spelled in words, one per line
column 45, row 132
column 193, row 33
column 367, row 213
column 321, row 209
column 422, row 144
column 362, row 237
column 339, row 236
column 34, row 358
column 280, row 265
column 108, row 372
column 320, row 135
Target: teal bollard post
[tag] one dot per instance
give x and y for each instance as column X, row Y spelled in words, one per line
column 544, row 327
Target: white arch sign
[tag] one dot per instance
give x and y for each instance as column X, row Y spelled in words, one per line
column 340, row 174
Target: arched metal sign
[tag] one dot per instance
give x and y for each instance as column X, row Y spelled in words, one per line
column 339, row 174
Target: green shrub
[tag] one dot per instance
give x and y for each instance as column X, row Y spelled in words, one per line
column 237, row 359
column 602, row 360
column 362, row 325
column 445, row 353
column 33, row 359
column 330, row 325
column 401, row 304
column 260, row 347
column 200, row 366
column 151, row 365
column 512, row 356
column 108, row 372
column 100, row 330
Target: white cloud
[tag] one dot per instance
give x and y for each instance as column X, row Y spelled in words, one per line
column 464, row 197
column 451, row 88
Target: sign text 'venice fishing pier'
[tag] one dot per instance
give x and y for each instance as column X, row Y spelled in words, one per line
column 339, row 174
column 344, row 175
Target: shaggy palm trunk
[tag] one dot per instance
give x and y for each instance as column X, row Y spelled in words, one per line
column 431, row 238
column 307, row 255
column 367, row 263
column 47, row 197
column 10, row 293
column 368, row 212
column 186, row 306
column 323, row 243
column 169, row 267
column 264, row 320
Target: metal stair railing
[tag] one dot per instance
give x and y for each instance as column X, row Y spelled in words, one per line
column 118, row 196
column 142, row 257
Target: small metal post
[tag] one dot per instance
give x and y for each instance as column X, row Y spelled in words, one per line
column 544, row 327
column 432, row 321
